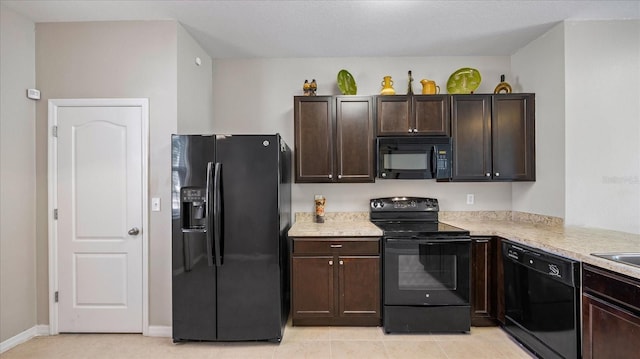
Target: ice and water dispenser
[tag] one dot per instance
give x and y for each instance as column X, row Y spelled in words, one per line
column 194, row 215
column 194, row 211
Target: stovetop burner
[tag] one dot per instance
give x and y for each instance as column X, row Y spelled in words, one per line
column 410, row 217
column 418, row 228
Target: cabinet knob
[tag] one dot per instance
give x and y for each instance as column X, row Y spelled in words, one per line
column 415, row 130
column 330, row 263
column 410, row 130
column 497, row 174
column 330, row 176
column 336, row 246
column 488, row 174
column 339, row 176
column 341, row 262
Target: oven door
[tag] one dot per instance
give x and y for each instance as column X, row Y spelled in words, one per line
column 426, row 271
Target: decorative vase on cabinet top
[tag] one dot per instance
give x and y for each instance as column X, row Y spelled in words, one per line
column 387, row 86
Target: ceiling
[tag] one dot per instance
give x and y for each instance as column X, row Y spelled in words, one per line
column 347, row 28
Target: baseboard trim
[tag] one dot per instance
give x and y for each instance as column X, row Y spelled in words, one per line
column 35, row 331
column 160, row 331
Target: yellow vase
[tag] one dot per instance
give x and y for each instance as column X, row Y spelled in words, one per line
column 387, row 86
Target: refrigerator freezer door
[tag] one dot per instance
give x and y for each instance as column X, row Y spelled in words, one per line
column 250, row 291
column 193, row 282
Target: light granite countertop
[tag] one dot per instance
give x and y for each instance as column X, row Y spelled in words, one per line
column 546, row 233
column 572, row 242
column 337, row 224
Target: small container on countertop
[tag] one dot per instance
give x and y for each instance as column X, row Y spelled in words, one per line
column 319, row 202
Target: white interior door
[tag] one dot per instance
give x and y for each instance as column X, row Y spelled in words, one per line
column 99, row 195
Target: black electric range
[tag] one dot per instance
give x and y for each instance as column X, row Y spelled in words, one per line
column 426, row 267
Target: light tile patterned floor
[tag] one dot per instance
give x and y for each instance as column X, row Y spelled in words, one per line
column 298, row 343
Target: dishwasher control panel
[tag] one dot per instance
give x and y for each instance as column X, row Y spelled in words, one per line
column 551, row 265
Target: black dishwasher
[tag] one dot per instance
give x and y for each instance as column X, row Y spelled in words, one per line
column 542, row 296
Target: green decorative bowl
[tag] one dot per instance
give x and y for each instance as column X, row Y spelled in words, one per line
column 346, row 83
column 464, row 81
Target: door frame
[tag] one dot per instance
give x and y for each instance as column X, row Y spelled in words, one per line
column 53, row 106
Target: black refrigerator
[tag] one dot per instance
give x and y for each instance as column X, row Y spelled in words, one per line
column 231, row 206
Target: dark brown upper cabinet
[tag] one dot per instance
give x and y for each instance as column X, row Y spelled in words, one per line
column 493, row 137
column 410, row 115
column 334, row 139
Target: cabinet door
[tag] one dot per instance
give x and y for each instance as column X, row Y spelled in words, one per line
column 483, row 282
column 354, row 139
column 312, row 287
column 431, row 115
column 471, row 133
column 513, row 137
column 359, row 280
column 608, row 331
column 313, row 125
column 393, row 114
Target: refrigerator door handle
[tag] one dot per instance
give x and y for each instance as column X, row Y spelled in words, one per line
column 209, row 222
column 217, row 213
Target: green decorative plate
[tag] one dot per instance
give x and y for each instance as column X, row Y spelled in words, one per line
column 464, row 81
column 346, row 83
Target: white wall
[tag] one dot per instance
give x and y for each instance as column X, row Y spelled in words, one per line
column 114, row 59
column 17, row 176
column 603, row 124
column 539, row 68
column 195, row 87
column 256, row 96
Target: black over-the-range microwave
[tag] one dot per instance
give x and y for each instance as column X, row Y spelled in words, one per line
column 414, row 157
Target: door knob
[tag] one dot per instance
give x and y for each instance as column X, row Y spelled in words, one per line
column 134, row 231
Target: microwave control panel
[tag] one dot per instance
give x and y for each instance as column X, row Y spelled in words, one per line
column 442, row 160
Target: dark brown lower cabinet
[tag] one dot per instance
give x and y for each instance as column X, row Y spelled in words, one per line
column 483, row 281
column 336, row 281
column 610, row 314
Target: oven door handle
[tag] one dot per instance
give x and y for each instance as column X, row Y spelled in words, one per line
column 427, row 241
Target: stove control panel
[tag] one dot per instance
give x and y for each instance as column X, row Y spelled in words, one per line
column 399, row 204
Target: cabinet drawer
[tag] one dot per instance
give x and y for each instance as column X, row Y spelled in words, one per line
column 612, row 286
column 337, row 246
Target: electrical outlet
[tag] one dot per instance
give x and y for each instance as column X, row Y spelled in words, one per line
column 470, row 199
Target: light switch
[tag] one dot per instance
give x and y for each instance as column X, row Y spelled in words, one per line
column 155, row 204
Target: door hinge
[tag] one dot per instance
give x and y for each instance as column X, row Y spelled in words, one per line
column 55, row 131
column 55, row 297
column 55, row 213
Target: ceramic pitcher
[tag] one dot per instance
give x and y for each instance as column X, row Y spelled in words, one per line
column 429, row 87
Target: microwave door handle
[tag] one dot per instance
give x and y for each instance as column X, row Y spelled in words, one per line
column 434, row 161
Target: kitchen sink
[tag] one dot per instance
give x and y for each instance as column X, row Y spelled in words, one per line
column 626, row 258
